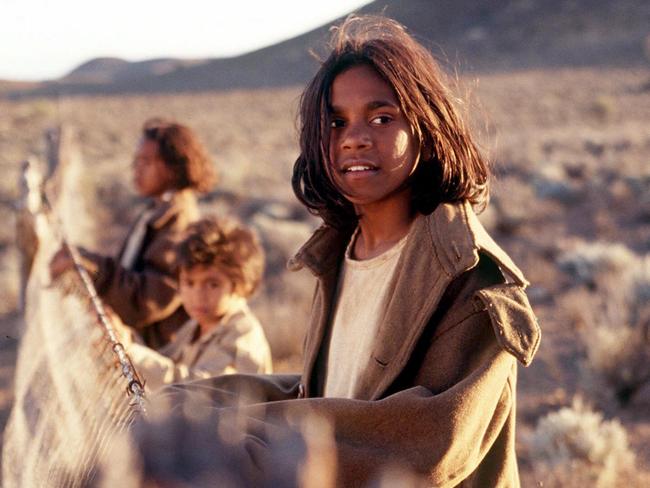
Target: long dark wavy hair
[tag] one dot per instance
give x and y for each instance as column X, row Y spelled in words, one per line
column 183, row 153
column 451, row 168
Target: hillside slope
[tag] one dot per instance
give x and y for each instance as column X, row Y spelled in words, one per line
column 479, row 35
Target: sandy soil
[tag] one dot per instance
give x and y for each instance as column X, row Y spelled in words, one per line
column 584, row 131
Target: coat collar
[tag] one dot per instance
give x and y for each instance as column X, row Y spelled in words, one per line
column 440, row 247
column 159, row 213
column 169, row 206
column 456, row 237
column 322, row 252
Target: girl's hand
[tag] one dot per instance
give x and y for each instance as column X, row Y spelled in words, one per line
column 60, row 263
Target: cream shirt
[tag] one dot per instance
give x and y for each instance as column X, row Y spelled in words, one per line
column 361, row 301
column 135, row 238
column 236, row 345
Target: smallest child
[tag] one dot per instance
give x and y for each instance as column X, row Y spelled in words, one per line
column 219, row 265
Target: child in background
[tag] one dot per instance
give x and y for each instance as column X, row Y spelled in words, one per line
column 169, row 167
column 418, row 318
column 219, row 266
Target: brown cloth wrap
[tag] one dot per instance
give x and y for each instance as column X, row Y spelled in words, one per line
column 439, row 394
column 145, row 297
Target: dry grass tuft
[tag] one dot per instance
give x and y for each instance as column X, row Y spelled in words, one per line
column 575, row 446
column 612, row 308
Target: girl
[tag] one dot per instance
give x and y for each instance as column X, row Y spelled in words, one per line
column 169, row 167
column 418, row 318
column 219, row 266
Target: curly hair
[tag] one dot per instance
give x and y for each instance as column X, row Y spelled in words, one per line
column 182, row 152
column 451, row 167
column 234, row 249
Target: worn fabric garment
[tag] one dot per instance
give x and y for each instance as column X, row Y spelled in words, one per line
column 134, row 240
column 363, row 287
column 237, row 344
column 145, row 296
column 438, row 396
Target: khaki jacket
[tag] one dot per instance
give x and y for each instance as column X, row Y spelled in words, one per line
column 236, row 345
column 439, row 395
column 145, row 296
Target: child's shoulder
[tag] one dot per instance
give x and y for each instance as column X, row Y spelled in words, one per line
column 244, row 330
column 240, row 319
column 176, row 211
column 464, row 246
column 459, row 239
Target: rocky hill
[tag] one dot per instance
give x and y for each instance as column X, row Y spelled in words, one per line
column 477, row 35
column 116, row 70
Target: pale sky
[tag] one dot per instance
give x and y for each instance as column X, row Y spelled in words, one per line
column 42, row 39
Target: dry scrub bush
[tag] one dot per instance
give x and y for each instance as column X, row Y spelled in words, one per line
column 590, row 264
column 602, row 109
column 611, row 304
column 551, row 183
column 575, row 446
column 285, row 299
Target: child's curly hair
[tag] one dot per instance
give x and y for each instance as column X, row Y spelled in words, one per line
column 182, row 152
column 451, row 167
column 234, row 249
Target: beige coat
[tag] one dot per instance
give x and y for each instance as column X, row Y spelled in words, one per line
column 236, row 345
column 439, row 396
column 145, row 296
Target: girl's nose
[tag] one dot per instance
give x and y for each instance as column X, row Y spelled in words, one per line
column 356, row 136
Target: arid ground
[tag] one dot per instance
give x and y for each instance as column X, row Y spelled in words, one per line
column 571, row 155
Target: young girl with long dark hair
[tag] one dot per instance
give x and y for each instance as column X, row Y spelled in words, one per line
column 418, row 318
column 170, row 166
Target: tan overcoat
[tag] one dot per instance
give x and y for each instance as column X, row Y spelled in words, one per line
column 145, row 295
column 236, row 345
column 439, row 394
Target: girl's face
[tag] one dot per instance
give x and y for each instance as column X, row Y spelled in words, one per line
column 151, row 175
column 372, row 148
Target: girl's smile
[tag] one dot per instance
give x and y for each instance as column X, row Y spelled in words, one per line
column 358, row 168
column 372, row 148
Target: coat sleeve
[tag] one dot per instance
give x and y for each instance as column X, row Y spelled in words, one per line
column 158, row 370
column 459, row 414
column 232, row 391
column 441, row 434
column 238, row 346
column 142, row 297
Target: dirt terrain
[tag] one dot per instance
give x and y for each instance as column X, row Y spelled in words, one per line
column 571, row 154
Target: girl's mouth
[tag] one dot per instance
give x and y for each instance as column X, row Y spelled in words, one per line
column 358, row 167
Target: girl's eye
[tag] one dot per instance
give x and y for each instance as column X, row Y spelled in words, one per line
column 336, row 123
column 213, row 285
column 381, row 120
